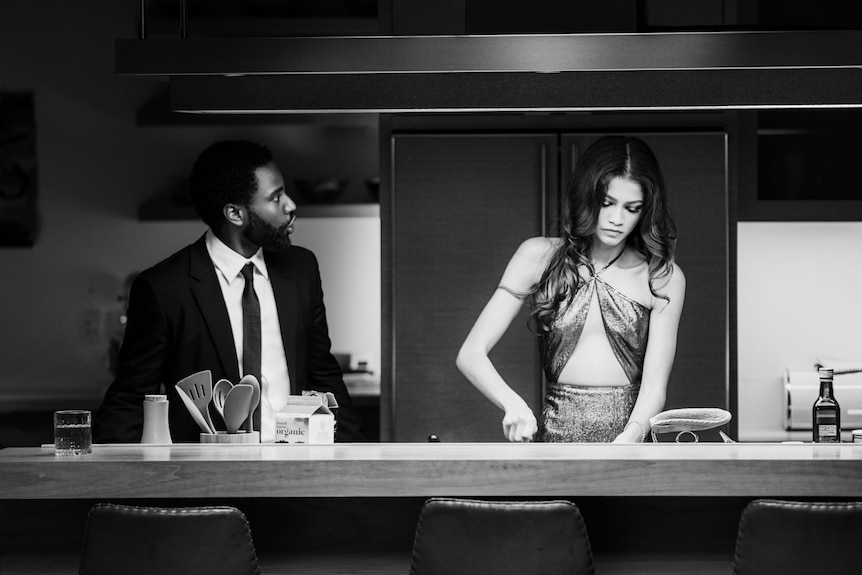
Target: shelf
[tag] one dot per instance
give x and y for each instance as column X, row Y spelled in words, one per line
column 362, row 384
column 368, row 210
column 162, row 211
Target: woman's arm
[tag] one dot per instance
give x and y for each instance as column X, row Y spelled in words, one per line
column 523, row 271
column 660, row 352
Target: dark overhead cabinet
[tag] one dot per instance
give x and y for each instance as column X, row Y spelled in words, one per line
column 803, row 166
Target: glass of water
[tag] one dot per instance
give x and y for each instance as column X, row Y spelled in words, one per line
column 73, row 432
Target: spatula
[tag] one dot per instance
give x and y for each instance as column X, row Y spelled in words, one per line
column 194, row 411
column 199, row 387
column 236, row 406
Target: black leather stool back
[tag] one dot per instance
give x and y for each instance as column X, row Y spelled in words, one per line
column 165, row 541
column 462, row 536
column 790, row 538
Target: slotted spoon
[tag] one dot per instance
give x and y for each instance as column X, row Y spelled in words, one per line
column 220, row 390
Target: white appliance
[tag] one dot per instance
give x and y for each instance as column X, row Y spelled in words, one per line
column 801, row 388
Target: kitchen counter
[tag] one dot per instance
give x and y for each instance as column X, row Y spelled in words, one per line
column 408, row 469
column 776, row 435
column 364, row 499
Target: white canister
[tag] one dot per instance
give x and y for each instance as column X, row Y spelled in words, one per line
column 156, row 429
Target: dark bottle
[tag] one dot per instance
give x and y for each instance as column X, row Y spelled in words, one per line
column 826, row 413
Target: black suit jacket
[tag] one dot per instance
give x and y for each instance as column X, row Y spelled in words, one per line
column 178, row 325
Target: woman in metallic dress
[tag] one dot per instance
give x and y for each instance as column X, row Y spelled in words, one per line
column 605, row 299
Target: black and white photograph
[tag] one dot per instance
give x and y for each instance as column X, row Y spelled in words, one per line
column 355, row 287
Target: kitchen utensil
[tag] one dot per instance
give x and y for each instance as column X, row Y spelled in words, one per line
column 255, row 399
column 688, row 421
column 194, row 411
column 199, row 387
column 236, row 406
column 220, row 391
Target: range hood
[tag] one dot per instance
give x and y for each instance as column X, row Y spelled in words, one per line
column 503, row 73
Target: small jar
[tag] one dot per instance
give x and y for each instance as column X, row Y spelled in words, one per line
column 857, row 435
column 156, row 429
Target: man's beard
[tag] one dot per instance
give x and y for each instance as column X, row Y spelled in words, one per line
column 270, row 238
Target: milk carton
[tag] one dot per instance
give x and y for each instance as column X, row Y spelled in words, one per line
column 328, row 400
column 305, row 419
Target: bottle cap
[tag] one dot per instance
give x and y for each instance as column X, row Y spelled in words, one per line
column 826, row 372
column 155, row 397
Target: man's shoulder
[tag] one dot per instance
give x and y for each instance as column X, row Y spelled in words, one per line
column 294, row 255
column 176, row 263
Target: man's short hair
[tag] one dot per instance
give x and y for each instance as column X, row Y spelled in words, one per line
column 224, row 173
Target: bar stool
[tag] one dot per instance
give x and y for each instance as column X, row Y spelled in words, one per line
column 464, row 536
column 147, row 540
column 790, row 538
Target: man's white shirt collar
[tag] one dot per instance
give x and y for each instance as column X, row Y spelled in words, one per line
column 228, row 262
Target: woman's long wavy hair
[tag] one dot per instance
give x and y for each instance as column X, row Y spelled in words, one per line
column 608, row 158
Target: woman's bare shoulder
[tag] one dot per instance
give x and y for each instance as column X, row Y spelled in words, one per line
column 538, row 248
column 675, row 280
column 671, row 286
column 528, row 264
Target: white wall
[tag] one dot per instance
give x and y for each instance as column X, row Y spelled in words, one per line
column 348, row 250
column 95, row 166
column 799, row 287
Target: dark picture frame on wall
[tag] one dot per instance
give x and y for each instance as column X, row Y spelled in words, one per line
column 19, row 214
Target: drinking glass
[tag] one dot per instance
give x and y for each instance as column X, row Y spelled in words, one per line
column 73, row 434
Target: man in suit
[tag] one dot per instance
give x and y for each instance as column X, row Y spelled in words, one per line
column 186, row 313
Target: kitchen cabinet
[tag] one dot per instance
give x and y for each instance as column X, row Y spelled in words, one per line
column 264, row 18
column 460, row 206
column 799, row 168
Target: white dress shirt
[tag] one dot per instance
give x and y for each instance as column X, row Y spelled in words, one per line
column 275, row 380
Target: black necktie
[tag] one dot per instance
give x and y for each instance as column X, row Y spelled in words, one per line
column 251, row 331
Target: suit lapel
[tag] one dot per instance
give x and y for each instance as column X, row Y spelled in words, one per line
column 210, row 300
column 287, row 303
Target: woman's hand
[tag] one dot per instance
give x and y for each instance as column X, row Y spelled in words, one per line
column 633, row 433
column 628, row 437
column 519, row 423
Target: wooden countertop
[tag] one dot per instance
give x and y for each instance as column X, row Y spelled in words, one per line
column 426, row 469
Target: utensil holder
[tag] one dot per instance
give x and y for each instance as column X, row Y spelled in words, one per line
column 225, row 437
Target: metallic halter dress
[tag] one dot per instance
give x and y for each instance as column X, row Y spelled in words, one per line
column 587, row 414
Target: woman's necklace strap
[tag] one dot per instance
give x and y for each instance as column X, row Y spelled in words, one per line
column 607, row 265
